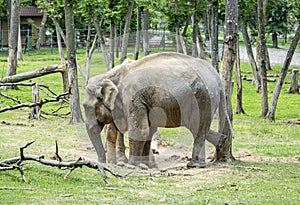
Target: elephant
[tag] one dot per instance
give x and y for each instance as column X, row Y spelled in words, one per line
column 159, row 90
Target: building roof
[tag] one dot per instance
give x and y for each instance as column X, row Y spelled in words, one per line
column 31, row 12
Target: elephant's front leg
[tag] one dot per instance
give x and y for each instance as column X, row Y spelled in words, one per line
column 137, row 154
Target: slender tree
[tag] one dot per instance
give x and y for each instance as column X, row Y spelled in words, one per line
column 255, row 71
column 138, row 33
column 247, row 19
column 126, row 31
column 213, row 26
column 41, row 30
column 273, row 104
column 230, row 39
column 261, row 57
column 19, row 52
column 239, row 88
column 13, row 37
column 98, row 26
column 145, row 30
column 72, row 68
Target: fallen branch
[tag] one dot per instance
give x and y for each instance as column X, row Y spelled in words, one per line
column 34, row 74
column 11, row 188
column 251, row 79
column 40, row 103
column 10, row 98
column 15, row 163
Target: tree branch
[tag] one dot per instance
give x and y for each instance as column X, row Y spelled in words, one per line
column 42, row 102
column 15, row 163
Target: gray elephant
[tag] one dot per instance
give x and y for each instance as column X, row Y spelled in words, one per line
column 160, row 90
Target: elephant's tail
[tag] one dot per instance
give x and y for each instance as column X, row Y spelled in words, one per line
column 224, row 120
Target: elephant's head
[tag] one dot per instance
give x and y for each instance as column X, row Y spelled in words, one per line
column 102, row 96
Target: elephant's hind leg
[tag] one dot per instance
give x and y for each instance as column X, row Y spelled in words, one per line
column 198, row 154
column 120, row 148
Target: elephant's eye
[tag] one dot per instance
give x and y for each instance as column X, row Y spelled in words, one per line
column 99, row 94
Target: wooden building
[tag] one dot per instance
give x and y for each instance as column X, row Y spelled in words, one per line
column 30, row 20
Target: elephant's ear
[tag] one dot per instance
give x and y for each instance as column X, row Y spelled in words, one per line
column 107, row 92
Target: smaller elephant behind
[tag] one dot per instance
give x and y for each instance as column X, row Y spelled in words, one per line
column 116, row 147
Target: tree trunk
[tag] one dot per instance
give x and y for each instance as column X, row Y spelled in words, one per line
column 200, row 49
column 268, row 63
column 98, row 26
column 87, row 53
column 214, row 33
column 59, row 43
column 239, row 88
column 62, row 57
column 35, row 111
column 112, row 46
column 275, row 40
column 41, row 31
column 59, row 29
column 117, row 44
column 126, row 31
column 178, row 44
column 195, row 33
column 271, row 113
column 206, row 25
column 294, row 88
column 72, row 68
column 13, row 38
column 145, row 28
column 138, row 33
column 182, row 43
column 261, row 58
column 230, row 43
column 19, row 53
column 179, row 48
column 256, row 76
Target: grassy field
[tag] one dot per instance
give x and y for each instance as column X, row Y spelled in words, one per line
column 266, row 170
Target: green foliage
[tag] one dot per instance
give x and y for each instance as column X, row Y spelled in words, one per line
column 277, row 16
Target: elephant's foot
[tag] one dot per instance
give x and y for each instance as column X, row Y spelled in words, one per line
column 138, row 160
column 196, row 164
column 121, row 157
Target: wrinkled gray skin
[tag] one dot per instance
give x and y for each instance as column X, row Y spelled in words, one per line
column 160, row 90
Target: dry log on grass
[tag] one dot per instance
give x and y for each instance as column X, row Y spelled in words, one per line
column 56, row 161
column 251, row 79
column 295, row 121
column 34, row 74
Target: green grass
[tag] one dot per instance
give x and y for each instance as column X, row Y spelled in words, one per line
column 267, row 174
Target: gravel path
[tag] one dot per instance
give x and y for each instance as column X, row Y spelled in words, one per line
column 277, row 56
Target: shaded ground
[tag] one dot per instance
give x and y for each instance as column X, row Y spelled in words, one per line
column 172, row 159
